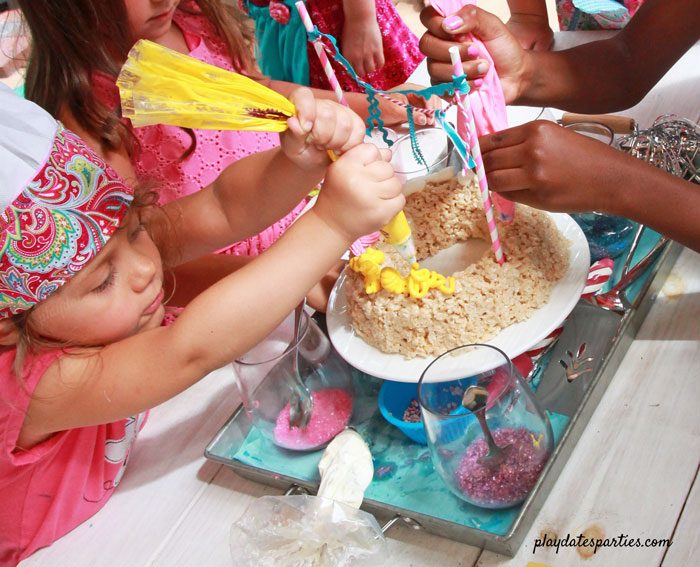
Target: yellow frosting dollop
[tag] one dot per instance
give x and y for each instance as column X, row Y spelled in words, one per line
column 393, row 281
column 369, row 265
column 416, row 285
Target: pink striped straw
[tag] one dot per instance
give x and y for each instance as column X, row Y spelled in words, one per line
column 321, row 52
column 465, row 121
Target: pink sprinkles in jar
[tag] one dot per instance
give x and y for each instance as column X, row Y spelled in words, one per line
column 332, row 408
column 510, row 482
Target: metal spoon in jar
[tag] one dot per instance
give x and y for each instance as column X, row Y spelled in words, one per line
column 300, row 402
column 613, row 300
column 474, row 399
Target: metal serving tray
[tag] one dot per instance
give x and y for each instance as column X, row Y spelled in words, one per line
column 606, row 336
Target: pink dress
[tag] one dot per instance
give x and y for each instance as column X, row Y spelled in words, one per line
column 49, row 489
column 160, row 148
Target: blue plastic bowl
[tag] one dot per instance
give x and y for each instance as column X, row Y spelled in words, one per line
column 394, row 398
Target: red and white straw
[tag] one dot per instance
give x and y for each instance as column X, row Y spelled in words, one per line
column 428, row 111
column 361, row 244
column 466, row 127
column 321, row 52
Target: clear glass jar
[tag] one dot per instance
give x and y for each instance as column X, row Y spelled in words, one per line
column 608, row 235
column 268, row 376
column 458, row 436
column 434, row 147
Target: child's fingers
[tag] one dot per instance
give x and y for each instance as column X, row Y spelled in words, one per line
column 358, row 66
column 380, row 170
column 369, row 64
column 306, row 115
column 330, row 120
column 363, row 153
column 295, row 127
column 385, row 154
column 433, row 103
column 379, row 60
column 336, row 127
column 359, row 130
column 390, row 189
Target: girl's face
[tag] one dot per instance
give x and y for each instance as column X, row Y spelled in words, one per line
column 150, row 19
column 117, row 295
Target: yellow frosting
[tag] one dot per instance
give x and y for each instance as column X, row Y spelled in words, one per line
column 536, row 440
column 416, row 285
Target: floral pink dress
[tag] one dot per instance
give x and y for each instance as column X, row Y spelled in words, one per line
column 160, row 148
column 280, row 46
column 401, row 52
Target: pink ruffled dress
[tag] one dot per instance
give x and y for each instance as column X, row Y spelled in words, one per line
column 158, row 156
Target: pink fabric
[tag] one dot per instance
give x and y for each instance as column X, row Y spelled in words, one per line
column 401, row 52
column 161, row 147
column 51, row 488
column 487, row 102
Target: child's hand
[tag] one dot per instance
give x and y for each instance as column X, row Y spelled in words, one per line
column 510, row 59
column 395, row 114
column 319, row 125
column 361, row 43
column 361, row 193
column 532, row 31
column 549, row 167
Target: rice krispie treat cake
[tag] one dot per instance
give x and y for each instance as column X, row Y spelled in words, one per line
column 403, row 309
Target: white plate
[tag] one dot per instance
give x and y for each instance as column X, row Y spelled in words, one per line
column 513, row 340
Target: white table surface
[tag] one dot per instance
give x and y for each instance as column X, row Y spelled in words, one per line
column 634, row 470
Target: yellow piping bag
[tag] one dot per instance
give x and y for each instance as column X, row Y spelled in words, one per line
column 398, row 233
column 160, row 86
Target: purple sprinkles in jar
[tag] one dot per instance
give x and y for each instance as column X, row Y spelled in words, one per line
column 506, row 484
column 412, row 413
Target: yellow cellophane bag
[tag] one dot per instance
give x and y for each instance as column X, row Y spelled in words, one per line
column 160, row 86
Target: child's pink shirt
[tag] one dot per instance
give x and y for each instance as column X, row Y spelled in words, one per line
column 51, row 488
column 158, row 156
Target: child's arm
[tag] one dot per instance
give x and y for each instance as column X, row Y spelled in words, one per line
column 531, row 164
column 360, row 195
column 597, row 77
column 196, row 276
column 361, row 40
column 529, row 23
column 254, row 192
column 391, row 113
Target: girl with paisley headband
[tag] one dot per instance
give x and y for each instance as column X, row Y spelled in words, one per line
column 77, row 50
column 83, row 354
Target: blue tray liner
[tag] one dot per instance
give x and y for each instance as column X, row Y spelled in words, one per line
column 404, row 476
